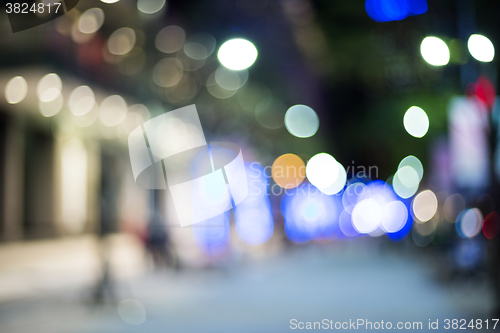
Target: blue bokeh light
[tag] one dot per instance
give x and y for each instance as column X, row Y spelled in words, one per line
column 394, row 10
column 406, row 229
column 253, row 216
column 310, row 214
column 212, row 236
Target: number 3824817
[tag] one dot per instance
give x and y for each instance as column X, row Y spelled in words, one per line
column 463, row 324
column 25, row 8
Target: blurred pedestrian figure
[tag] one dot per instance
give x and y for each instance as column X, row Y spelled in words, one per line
column 104, row 290
column 157, row 239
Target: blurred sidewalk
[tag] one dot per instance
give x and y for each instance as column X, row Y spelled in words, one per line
column 340, row 282
column 36, row 268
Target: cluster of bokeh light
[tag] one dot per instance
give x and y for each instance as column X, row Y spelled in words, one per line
column 378, row 208
column 318, row 202
column 407, row 178
column 436, row 52
column 359, row 209
column 80, row 103
column 467, row 222
column 183, row 73
column 324, row 172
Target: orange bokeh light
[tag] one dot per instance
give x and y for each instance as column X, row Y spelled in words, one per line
column 289, row 171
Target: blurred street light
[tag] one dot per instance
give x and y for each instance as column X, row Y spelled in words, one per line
column 481, row 48
column 435, row 51
column 416, row 122
column 237, row 54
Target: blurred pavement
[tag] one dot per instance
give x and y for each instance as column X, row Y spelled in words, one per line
column 339, row 282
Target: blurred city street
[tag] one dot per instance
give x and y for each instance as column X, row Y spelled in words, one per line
column 249, row 165
column 309, row 284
